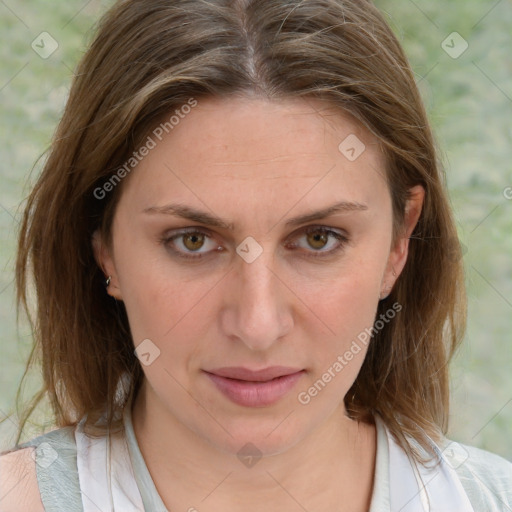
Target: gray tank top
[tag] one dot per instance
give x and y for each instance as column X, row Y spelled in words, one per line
column 58, row 472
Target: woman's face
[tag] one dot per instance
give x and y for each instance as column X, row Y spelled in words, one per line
column 221, row 261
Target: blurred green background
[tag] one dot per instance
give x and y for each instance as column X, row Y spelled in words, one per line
column 468, row 95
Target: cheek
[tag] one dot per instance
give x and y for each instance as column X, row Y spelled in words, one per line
column 170, row 307
column 158, row 305
column 346, row 312
column 347, row 307
column 339, row 351
column 352, row 291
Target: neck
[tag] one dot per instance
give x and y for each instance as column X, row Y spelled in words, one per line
column 332, row 466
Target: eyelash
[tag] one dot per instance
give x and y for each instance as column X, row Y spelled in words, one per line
column 341, row 238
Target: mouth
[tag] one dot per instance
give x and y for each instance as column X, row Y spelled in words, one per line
column 255, row 388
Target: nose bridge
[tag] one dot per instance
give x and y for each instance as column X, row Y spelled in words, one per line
column 258, row 277
column 254, row 266
column 258, row 310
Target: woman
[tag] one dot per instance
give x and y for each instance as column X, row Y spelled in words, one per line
column 247, row 276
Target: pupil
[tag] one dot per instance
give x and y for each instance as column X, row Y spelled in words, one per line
column 322, row 238
column 195, row 240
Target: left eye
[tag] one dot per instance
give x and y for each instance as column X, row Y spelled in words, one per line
column 318, row 238
column 323, row 242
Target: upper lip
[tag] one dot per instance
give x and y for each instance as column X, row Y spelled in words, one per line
column 265, row 374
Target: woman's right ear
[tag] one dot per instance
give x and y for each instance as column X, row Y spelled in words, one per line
column 103, row 257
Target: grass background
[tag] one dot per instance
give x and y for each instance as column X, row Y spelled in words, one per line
column 469, row 100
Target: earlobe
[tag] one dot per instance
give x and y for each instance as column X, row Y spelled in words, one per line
column 106, row 264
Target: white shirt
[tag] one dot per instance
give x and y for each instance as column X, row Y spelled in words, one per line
column 114, row 476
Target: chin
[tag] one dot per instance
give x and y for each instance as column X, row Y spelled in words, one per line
column 259, row 436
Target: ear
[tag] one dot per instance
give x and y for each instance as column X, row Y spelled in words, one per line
column 399, row 251
column 105, row 261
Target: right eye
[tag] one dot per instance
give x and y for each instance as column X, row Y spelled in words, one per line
column 187, row 243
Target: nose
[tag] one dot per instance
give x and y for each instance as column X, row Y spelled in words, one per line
column 257, row 309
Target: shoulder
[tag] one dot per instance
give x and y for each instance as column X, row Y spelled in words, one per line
column 40, row 472
column 19, row 489
column 485, row 476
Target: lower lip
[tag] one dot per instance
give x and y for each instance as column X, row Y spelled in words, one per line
column 255, row 394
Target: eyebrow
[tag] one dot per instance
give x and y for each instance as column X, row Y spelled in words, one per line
column 187, row 212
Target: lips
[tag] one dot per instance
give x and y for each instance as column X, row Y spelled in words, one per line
column 263, row 375
column 255, row 388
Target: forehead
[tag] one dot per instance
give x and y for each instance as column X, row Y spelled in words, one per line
column 266, row 149
column 250, row 131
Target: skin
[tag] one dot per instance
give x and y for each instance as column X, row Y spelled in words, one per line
column 256, row 164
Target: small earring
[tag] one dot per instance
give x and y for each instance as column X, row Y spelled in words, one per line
column 107, row 281
column 394, row 273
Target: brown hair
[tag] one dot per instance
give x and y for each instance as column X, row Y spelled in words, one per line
column 149, row 58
